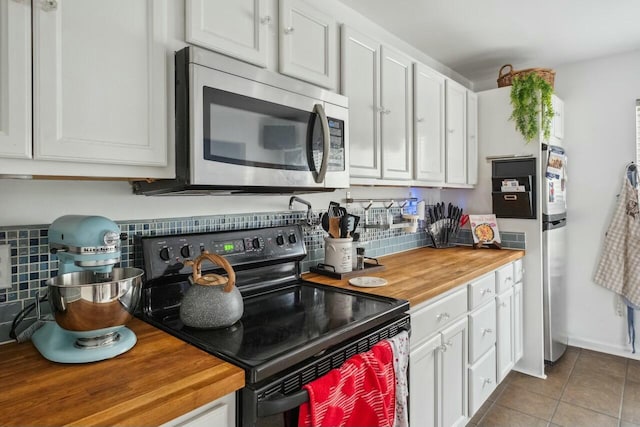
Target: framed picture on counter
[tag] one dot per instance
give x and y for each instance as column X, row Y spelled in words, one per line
column 484, row 229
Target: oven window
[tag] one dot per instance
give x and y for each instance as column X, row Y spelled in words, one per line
column 246, row 131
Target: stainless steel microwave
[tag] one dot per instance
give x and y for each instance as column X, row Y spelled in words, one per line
column 244, row 129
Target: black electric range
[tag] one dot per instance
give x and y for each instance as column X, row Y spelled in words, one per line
column 289, row 325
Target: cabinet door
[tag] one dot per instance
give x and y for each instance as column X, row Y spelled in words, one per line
column 482, row 328
column 307, row 39
column 454, row 375
column 396, row 115
column 100, row 86
column 424, row 382
column 504, row 338
column 472, row 138
column 361, row 83
column 517, row 322
column 236, row 28
column 456, row 99
column 15, row 79
column 429, row 111
column 557, row 123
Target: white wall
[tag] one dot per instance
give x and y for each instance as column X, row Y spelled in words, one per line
column 600, row 136
column 26, row 202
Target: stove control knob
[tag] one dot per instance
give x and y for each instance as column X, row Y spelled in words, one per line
column 164, row 254
column 292, row 238
column 280, row 240
column 256, row 243
column 185, row 251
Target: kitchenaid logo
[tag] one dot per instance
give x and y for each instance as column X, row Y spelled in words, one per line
column 98, row 250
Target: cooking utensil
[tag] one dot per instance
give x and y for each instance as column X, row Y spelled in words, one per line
column 212, row 301
column 334, row 227
column 324, row 220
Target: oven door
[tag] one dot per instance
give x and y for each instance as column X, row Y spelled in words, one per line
column 247, row 133
column 275, row 402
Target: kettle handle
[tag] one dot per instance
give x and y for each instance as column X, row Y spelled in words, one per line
column 216, row 259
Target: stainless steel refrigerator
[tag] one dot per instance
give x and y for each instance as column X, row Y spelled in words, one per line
column 554, row 245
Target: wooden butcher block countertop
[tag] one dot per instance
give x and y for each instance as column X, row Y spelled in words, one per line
column 421, row 274
column 159, row 379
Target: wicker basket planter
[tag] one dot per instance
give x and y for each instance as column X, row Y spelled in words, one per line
column 506, row 79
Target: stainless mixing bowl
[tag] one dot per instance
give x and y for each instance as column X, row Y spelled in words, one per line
column 88, row 301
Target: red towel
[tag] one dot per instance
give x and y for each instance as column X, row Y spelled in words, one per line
column 361, row 393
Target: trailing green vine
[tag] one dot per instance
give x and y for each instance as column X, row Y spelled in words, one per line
column 528, row 94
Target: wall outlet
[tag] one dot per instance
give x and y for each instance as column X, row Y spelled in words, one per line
column 5, row 266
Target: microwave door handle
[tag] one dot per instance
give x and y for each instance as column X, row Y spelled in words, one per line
column 326, row 141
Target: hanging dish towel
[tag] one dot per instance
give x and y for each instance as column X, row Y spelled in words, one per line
column 360, row 393
column 619, row 266
column 400, row 348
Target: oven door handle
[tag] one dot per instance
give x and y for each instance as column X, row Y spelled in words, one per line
column 326, row 142
column 280, row 403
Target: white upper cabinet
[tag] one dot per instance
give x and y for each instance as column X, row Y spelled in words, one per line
column 456, row 131
column 429, row 119
column 360, row 78
column 396, row 111
column 15, row 79
column 100, row 81
column 236, row 28
column 472, row 138
column 308, row 43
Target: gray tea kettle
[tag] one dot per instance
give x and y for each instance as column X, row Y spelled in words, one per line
column 212, row 301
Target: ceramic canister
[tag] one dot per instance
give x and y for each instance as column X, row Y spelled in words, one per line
column 338, row 253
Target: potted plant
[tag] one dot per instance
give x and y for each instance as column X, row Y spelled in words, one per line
column 531, row 97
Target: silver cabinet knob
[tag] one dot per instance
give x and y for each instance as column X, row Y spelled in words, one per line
column 486, row 331
column 289, row 30
column 48, row 5
column 485, row 291
column 451, row 130
column 486, row 381
column 442, row 316
column 442, row 348
column 420, row 120
column 503, row 304
column 266, row 20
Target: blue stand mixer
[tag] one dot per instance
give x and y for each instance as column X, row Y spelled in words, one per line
column 91, row 300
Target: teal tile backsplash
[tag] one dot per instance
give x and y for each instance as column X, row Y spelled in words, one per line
column 32, row 264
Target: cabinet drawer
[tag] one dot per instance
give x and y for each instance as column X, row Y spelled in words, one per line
column 433, row 317
column 518, row 271
column 482, row 330
column 482, row 381
column 504, row 278
column 482, row 290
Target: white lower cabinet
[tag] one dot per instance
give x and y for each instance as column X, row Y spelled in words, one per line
column 438, row 382
column 482, row 380
column 219, row 413
column 505, row 330
column 423, row 383
column 463, row 344
column 454, row 374
column 518, row 322
column 482, row 330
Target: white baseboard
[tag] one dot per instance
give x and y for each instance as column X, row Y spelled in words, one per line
column 530, row 373
column 623, row 351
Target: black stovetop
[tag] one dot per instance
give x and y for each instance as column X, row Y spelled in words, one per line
column 286, row 325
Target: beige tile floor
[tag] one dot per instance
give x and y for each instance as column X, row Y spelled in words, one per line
column 583, row 389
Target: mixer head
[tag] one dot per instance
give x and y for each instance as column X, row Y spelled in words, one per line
column 85, row 243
